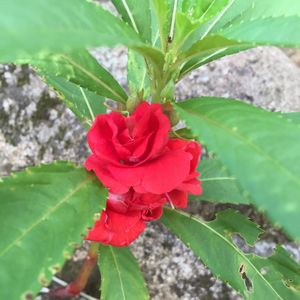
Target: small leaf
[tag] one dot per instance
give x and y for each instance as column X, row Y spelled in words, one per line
column 44, row 210
column 121, row 278
column 138, row 15
column 249, row 142
column 163, row 11
column 138, row 79
column 252, row 276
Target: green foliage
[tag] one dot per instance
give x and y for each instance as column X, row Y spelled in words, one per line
column 138, row 15
column 191, row 14
column 121, row 278
column 218, row 185
column 208, row 49
column 137, row 76
column 44, row 211
column 252, row 144
column 162, row 11
column 79, row 67
column 252, row 276
column 294, row 116
column 280, row 31
column 28, row 27
column 239, row 25
column 84, row 104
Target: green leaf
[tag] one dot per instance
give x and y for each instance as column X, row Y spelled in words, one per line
column 218, row 185
column 79, row 67
column 121, row 278
column 84, row 104
column 138, row 15
column 261, row 149
column 183, row 28
column 203, row 10
column 137, row 75
column 255, row 9
column 209, row 56
column 163, row 13
column 208, row 49
column 294, row 116
column 212, row 243
column 280, row 31
column 28, row 27
column 244, row 24
column 198, row 12
column 195, row 9
column 154, row 56
column 44, row 210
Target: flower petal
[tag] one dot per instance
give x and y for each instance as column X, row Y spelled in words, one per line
column 117, row 229
column 179, row 198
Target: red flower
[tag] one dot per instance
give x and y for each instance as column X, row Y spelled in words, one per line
column 142, row 168
column 133, row 152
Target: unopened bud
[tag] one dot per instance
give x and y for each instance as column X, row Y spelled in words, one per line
column 170, row 112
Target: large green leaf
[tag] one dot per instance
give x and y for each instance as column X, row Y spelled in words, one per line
column 85, row 105
column 121, row 278
column 247, row 10
column 28, row 27
column 81, row 68
column 280, row 31
column 261, row 149
column 218, row 185
column 254, row 277
column 138, row 15
column 294, row 116
column 44, row 210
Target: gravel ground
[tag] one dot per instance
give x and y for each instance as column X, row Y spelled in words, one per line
column 35, row 127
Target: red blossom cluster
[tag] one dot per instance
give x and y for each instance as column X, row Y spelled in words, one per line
column 142, row 168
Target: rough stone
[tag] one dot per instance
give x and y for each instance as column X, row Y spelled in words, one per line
column 37, row 128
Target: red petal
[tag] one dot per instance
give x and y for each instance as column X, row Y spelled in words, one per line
column 145, row 201
column 158, row 176
column 152, row 214
column 117, row 229
column 166, row 172
column 191, row 186
column 179, row 198
column 93, row 163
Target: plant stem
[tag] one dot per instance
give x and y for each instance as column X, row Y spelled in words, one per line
column 74, row 288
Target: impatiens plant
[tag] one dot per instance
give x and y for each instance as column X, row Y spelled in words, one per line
column 145, row 145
